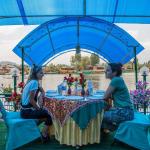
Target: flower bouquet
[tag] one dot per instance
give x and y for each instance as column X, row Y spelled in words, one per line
column 82, row 82
column 141, row 96
column 16, row 96
column 69, row 81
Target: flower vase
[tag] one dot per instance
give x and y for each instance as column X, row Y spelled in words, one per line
column 82, row 92
column 69, row 90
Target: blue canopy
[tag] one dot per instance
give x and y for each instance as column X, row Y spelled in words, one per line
column 60, row 35
column 15, row 12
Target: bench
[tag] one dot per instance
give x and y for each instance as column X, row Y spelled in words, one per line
column 135, row 133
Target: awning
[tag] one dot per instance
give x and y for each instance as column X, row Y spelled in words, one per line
column 60, row 35
column 30, row 12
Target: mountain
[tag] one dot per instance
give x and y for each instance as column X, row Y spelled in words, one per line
column 3, row 63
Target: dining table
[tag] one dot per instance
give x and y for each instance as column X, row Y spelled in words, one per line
column 76, row 120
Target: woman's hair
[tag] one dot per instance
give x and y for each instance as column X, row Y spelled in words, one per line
column 116, row 67
column 33, row 72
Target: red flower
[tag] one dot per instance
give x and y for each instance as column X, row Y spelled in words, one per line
column 9, row 99
column 82, row 81
column 81, row 75
column 15, row 97
column 69, row 80
column 21, row 85
column 14, row 94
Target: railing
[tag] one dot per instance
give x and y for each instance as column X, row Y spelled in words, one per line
column 143, row 109
column 9, row 106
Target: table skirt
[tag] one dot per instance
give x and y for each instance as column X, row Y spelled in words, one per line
column 71, row 134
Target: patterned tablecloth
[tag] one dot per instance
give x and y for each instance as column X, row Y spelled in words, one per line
column 76, row 122
column 61, row 110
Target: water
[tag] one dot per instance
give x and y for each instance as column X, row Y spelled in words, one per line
column 50, row 81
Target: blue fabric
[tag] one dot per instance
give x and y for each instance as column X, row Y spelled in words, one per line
column 83, row 115
column 40, row 11
column 12, row 115
column 148, row 135
column 121, row 96
column 30, row 86
column 20, row 131
column 135, row 132
column 22, row 12
column 105, row 39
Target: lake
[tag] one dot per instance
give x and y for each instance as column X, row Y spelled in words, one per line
column 50, row 81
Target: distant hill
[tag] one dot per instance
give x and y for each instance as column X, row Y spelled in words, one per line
column 9, row 63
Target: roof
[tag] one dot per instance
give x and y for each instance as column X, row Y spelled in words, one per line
column 18, row 12
column 93, row 35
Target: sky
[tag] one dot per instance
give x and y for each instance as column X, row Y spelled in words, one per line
column 11, row 35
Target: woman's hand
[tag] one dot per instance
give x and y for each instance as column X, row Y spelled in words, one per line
column 109, row 104
column 41, row 100
column 41, row 89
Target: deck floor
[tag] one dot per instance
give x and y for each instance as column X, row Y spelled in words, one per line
column 54, row 145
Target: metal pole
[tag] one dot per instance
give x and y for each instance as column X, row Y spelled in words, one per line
column 15, row 87
column 135, row 69
column 84, row 7
column 22, row 64
column 15, row 82
column 144, row 80
column 135, row 66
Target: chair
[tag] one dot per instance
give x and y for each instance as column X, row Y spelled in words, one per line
column 135, row 133
column 20, row 131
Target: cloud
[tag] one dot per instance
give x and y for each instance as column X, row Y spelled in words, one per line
column 11, row 35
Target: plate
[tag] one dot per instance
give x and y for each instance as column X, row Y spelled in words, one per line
column 74, row 97
column 95, row 97
column 51, row 94
column 60, row 97
column 51, row 91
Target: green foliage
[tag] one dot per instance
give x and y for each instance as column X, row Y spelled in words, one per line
column 85, row 61
column 54, row 68
column 76, row 61
column 80, row 62
column 7, row 90
column 94, row 59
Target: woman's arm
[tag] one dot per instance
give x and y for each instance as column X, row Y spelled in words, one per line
column 109, row 92
column 42, row 91
column 107, row 97
column 32, row 101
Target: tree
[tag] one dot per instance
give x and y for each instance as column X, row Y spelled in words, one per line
column 76, row 61
column 94, row 59
column 85, row 61
column 78, row 57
